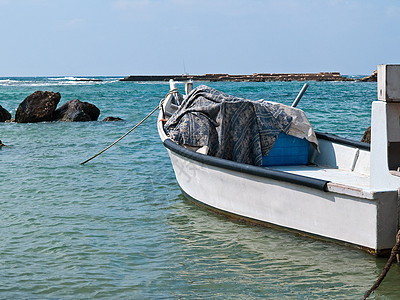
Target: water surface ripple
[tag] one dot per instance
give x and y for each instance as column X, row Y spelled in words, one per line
column 118, row 227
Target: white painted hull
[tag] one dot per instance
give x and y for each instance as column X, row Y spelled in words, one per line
column 368, row 223
column 347, row 193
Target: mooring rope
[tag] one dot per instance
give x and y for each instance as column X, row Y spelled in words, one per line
column 133, row 128
column 385, row 270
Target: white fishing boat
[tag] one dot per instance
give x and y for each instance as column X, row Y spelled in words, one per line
column 345, row 191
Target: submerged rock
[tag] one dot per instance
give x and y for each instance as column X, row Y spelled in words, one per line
column 37, row 107
column 76, row 111
column 4, row 114
column 112, row 119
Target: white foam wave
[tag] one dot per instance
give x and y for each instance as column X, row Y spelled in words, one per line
column 62, row 81
column 70, row 78
column 7, row 81
column 153, row 82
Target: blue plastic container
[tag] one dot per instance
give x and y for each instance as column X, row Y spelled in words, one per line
column 287, row 151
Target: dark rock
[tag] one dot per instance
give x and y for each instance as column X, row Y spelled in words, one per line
column 38, row 107
column 76, row 111
column 4, row 114
column 367, row 136
column 111, row 119
column 372, row 78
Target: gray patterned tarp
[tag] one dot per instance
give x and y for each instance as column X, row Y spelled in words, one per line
column 233, row 128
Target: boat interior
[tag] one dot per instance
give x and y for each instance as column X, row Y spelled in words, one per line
column 344, row 163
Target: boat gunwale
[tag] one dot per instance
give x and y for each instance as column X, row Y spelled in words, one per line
column 264, row 172
column 343, row 141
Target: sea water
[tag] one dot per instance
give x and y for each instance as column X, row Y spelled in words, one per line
column 119, row 227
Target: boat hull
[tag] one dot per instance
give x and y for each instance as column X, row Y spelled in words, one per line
column 308, row 208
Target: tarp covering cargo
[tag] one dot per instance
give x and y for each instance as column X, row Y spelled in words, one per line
column 233, row 128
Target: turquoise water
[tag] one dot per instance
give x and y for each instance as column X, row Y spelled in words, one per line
column 118, row 227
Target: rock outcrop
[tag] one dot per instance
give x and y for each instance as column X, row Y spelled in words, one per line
column 4, row 114
column 372, row 78
column 37, row 107
column 76, row 111
column 42, row 106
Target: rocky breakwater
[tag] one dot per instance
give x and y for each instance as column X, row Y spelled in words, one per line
column 257, row 77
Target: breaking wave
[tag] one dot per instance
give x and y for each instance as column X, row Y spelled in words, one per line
column 56, row 81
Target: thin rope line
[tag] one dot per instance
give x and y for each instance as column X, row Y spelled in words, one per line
column 385, row 270
column 133, row 128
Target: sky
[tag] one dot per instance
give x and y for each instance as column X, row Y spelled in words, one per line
column 139, row 37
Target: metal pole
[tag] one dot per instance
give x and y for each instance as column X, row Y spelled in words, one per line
column 303, row 90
